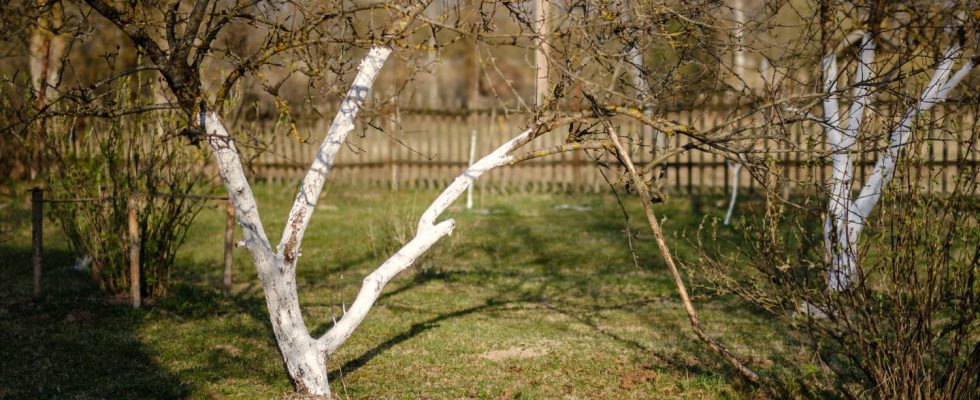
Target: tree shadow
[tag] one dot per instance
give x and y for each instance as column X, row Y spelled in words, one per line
column 565, row 283
column 557, row 273
column 413, row 331
column 73, row 341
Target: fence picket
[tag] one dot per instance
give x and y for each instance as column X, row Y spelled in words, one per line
column 427, row 148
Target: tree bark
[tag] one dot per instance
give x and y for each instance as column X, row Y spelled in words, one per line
column 739, row 67
column 47, row 48
column 304, row 356
column 305, row 364
column 427, row 233
column 735, row 167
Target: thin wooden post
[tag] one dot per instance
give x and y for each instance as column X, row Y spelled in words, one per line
column 134, row 251
column 229, row 243
column 393, row 145
column 37, row 235
column 576, row 155
column 469, row 190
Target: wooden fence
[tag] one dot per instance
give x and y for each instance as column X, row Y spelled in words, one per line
column 426, row 149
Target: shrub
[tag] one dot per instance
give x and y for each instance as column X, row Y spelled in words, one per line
column 908, row 329
column 110, row 159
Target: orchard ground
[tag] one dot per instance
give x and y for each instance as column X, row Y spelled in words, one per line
column 534, row 297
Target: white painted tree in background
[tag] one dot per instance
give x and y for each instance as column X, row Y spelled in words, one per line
column 643, row 90
column 846, row 216
column 45, row 64
column 739, row 67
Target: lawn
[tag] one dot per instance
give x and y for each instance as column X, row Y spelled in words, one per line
column 529, row 298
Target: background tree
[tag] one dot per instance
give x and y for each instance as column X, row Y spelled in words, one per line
column 888, row 311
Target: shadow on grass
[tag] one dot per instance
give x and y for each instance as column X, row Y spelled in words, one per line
column 558, row 273
column 414, row 330
column 73, row 341
column 575, row 282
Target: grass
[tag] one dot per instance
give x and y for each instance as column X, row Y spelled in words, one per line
column 530, row 301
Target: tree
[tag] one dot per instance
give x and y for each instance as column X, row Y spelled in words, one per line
column 181, row 64
column 877, row 281
column 846, row 216
column 192, row 37
column 586, row 64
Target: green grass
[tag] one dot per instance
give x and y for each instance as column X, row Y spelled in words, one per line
column 528, row 301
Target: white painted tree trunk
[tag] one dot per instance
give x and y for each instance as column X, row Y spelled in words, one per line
column 642, row 88
column 846, row 217
column 306, row 357
column 46, row 52
column 735, row 167
column 840, row 142
column 432, row 58
column 740, row 65
column 305, row 364
column 427, row 233
column 46, row 49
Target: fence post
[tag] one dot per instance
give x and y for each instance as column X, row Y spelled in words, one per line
column 469, row 190
column 393, row 124
column 229, row 242
column 37, row 235
column 134, row 251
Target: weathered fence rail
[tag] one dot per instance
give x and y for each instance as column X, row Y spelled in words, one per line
column 426, row 149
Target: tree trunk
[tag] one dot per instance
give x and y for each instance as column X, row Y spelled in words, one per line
column 44, row 62
column 541, row 30
column 739, row 67
column 846, row 217
column 304, row 356
column 305, row 364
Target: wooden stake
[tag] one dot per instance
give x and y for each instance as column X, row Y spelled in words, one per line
column 469, row 189
column 229, row 242
column 37, row 235
column 134, row 251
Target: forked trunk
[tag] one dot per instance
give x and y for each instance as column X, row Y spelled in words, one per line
column 305, row 357
column 304, row 361
column 846, row 217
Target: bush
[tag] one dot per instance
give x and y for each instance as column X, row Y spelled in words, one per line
column 908, row 329
column 110, row 159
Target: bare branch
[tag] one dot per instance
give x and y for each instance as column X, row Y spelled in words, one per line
column 647, row 202
column 427, row 234
column 343, row 123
